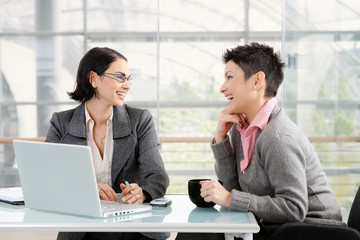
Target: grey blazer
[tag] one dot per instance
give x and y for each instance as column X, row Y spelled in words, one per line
column 136, row 156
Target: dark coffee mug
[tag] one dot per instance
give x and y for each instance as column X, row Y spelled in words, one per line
column 194, row 193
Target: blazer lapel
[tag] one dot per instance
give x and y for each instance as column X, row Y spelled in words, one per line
column 124, row 141
column 77, row 127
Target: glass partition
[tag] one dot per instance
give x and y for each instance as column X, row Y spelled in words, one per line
column 174, row 50
column 322, row 84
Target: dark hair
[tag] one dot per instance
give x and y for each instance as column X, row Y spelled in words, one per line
column 255, row 57
column 97, row 60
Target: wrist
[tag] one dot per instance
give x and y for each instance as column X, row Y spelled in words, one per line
column 218, row 139
column 229, row 198
column 144, row 196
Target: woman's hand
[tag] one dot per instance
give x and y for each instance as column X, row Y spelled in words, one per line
column 244, row 122
column 213, row 191
column 132, row 193
column 107, row 193
column 226, row 121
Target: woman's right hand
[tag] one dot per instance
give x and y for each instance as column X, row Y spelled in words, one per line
column 226, row 121
column 107, row 193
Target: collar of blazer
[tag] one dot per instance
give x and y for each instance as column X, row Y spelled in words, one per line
column 121, row 122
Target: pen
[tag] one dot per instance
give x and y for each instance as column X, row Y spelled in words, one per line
column 127, row 184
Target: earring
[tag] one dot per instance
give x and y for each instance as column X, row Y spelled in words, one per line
column 255, row 87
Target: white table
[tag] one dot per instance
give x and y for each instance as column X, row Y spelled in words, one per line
column 181, row 216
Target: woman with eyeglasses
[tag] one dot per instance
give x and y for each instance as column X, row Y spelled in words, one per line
column 123, row 140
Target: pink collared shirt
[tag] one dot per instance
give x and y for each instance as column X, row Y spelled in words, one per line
column 248, row 133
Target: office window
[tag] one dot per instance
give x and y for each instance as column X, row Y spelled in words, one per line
column 174, row 50
column 322, row 85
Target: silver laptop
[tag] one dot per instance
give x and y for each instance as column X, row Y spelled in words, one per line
column 61, row 178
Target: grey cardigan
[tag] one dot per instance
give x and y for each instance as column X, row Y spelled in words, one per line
column 284, row 181
column 136, row 156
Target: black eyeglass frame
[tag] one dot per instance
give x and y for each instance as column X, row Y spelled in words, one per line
column 120, row 77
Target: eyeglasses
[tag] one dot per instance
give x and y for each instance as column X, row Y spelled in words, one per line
column 120, row 77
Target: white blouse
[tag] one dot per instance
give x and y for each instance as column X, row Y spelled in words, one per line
column 102, row 165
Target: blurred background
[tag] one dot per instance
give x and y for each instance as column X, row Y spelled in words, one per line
column 174, row 50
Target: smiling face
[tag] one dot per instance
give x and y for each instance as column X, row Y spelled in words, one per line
column 108, row 90
column 239, row 91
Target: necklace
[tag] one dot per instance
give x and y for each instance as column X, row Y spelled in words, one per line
column 102, row 140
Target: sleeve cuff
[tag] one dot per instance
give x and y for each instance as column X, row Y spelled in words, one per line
column 222, row 149
column 240, row 200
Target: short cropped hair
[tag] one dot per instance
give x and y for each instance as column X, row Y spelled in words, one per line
column 97, row 60
column 255, row 57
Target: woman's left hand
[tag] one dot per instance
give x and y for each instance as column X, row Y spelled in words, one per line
column 137, row 196
column 213, row 191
